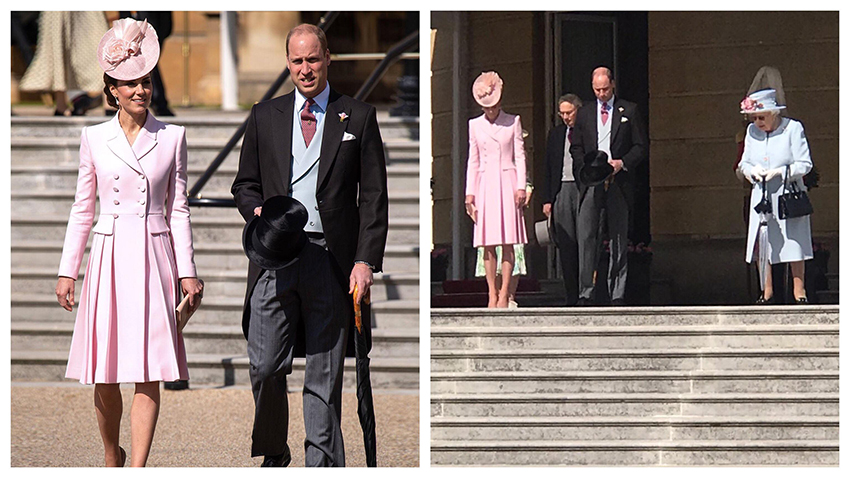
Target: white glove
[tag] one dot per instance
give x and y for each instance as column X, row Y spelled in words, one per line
column 756, row 174
column 772, row 173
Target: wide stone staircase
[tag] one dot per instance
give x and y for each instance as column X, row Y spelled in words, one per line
column 635, row 386
column 44, row 162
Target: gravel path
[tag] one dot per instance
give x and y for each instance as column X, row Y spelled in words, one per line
column 55, row 425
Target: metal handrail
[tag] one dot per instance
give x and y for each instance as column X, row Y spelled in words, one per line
column 371, row 56
column 392, row 56
column 324, row 22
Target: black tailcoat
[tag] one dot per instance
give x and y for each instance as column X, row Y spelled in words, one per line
column 351, row 190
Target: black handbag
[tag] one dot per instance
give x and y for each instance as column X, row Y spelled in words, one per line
column 793, row 203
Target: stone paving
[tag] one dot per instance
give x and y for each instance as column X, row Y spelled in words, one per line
column 54, row 425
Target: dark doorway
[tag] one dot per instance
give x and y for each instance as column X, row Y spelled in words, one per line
column 618, row 40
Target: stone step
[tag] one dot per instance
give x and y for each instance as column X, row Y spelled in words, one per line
column 634, row 404
column 204, row 339
column 558, row 360
column 204, row 229
column 223, row 370
column 636, row 381
column 832, row 277
column 58, row 202
column 51, row 151
column 218, row 283
column 634, row 316
column 214, row 311
column 31, row 178
column 208, row 257
column 616, row 429
column 211, row 124
column 828, row 296
column 635, row 453
column 648, row 337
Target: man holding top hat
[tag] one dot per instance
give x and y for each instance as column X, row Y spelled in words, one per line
column 322, row 240
column 612, row 126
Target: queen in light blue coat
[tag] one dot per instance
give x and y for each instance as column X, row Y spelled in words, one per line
column 776, row 148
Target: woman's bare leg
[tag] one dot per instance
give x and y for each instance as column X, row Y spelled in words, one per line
column 512, row 288
column 798, row 272
column 490, row 275
column 109, row 407
column 143, row 416
column 507, row 272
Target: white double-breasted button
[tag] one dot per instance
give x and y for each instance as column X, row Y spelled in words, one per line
column 115, row 189
column 115, row 202
column 141, row 214
column 142, row 176
column 142, row 188
column 142, row 201
column 116, row 176
column 115, row 216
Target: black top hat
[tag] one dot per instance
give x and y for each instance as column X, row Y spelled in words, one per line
column 596, row 168
column 274, row 239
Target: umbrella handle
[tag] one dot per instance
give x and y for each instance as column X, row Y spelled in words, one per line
column 358, row 314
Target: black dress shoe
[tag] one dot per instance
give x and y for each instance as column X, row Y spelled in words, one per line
column 281, row 460
column 618, row 302
column 762, row 301
column 584, row 302
column 802, row 301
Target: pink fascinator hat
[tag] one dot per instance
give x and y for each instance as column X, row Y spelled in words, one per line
column 487, row 89
column 129, row 50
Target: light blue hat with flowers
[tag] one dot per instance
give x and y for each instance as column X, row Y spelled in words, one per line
column 760, row 101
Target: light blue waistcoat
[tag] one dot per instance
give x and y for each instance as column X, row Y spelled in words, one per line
column 305, row 173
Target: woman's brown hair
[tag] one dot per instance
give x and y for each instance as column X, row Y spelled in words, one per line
column 107, row 82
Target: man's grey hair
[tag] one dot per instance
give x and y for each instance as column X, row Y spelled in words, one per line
column 571, row 99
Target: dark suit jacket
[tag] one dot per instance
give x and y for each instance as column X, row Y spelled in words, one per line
column 628, row 141
column 355, row 224
column 554, row 163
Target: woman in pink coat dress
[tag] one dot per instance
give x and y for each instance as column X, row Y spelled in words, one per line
column 495, row 183
column 126, row 330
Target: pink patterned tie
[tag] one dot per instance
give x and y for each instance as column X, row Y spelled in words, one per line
column 308, row 121
column 604, row 112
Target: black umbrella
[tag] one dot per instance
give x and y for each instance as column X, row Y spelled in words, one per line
column 365, row 406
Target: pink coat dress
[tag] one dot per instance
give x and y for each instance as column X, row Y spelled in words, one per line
column 495, row 171
column 125, row 331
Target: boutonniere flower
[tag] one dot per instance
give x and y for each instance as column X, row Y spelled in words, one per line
column 621, row 109
column 623, row 119
column 343, row 116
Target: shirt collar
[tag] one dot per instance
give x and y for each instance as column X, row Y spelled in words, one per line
column 610, row 102
column 321, row 99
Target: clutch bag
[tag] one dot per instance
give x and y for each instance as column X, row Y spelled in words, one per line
column 185, row 311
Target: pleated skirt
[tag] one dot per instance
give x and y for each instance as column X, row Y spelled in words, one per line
column 125, row 330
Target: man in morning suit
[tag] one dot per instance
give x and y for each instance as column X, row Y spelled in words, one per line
column 615, row 126
column 575, row 216
column 324, row 149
